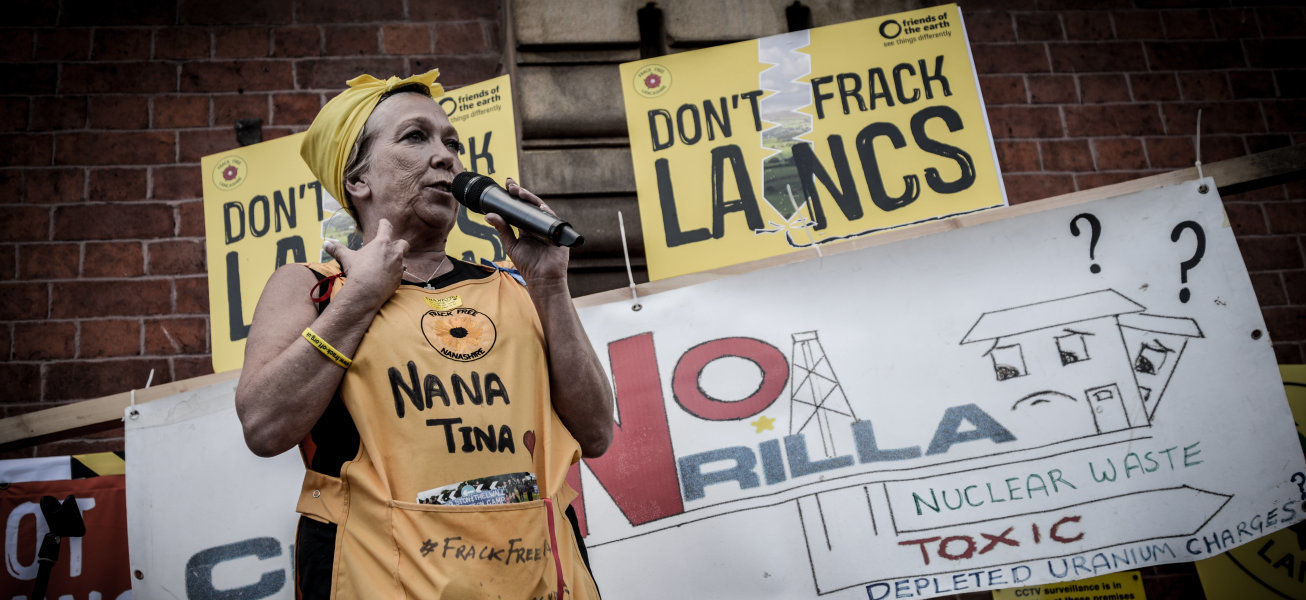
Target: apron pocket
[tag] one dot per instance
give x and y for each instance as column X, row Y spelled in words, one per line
column 454, row 552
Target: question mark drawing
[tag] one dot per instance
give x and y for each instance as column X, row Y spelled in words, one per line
column 1185, row 266
column 1301, row 485
column 1096, row 231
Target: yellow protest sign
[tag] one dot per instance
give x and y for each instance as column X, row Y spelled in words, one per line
column 767, row 146
column 1116, row 586
column 263, row 208
column 1274, row 566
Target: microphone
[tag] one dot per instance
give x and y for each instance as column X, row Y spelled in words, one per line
column 482, row 195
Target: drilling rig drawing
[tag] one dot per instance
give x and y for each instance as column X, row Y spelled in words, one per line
column 817, row 402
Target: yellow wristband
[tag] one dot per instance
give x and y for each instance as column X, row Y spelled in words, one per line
column 326, row 349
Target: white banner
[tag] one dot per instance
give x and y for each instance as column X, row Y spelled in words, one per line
column 1004, row 404
column 1046, row 397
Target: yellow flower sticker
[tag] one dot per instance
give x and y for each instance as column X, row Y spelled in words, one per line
column 461, row 334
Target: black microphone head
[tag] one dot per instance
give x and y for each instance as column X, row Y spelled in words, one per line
column 467, row 187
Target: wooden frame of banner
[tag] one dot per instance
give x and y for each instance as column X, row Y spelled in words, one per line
column 1231, row 176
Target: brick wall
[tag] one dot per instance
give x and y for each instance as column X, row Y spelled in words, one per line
column 105, row 111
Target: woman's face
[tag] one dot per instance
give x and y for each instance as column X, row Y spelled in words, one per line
column 414, row 156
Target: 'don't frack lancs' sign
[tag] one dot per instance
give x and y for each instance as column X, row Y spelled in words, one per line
column 990, row 407
column 763, row 147
column 263, row 208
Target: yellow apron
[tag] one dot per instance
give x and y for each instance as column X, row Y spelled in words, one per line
column 449, row 385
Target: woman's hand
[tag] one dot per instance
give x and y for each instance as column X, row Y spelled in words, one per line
column 373, row 271
column 540, row 262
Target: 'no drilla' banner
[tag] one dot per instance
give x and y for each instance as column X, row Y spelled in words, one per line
column 263, row 209
column 965, row 411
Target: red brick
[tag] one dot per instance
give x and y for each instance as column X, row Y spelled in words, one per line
column 1246, row 218
column 113, row 221
column 176, row 336
column 1066, row 155
column 1024, row 188
column 1216, row 148
column 1295, row 283
column 1039, row 26
column 17, row 45
column 1171, row 152
column 236, row 76
column 24, row 301
column 201, row 143
column 227, row 108
column 1137, row 25
column 350, row 11
column 182, row 42
column 117, row 184
column 113, row 259
column 187, row 368
column 460, row 70
column 416, row 39
column 106, row 338
column 1270, row 289
column 1285, row 323
column 1231, row 23
column 1261, row 84
column 332, row 73
column 242, row 42
column 181, row 111
column 172, row 183
column 117, row 12
column 54, row 186
column 1187, row 24
column 1119, row 154
column 432, row 10
column 48, row 261
column 1102, row 120
column 1271, row 192
column 13, row 114
column 1025, row 122
column 1286, row 217
column 1086, row 25
column 21, row 382
column 234, row 12
column 1281, row 21
column 1154, row 86
column 1089, row 181
column 120, row 112
column 296, row 42
column 296, row 109
column 1270, row 253
column 64, row 43
column 45, row 340
column 190, row 219
column 121, row 44
column 6, row 343
column 1210, row 85
column 25, row 224
column 1192, row 56
column 175, row 257
column 112, row 441
column 1288, row 354
column 1225, row 117
column 466, row 37
column 8, row 262
column 125, row 297
column 51, row 113
column 1103, row 88
column 1261, row 143
column 1285, row 115
column 118, row 78
column 1052, row 89
column 1016, row 157
column 990, row 26
column 272, row 133
column 115, row 148
column 349, row 40
column 25, row 150
column 75, row 380
column 1097, row 57
column 192, row 295
column 28, row 78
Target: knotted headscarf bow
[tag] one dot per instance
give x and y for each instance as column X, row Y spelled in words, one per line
column 337, row 126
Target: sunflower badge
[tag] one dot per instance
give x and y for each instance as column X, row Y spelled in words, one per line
column 461, row 334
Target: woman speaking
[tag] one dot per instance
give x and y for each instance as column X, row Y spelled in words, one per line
column 401, row 372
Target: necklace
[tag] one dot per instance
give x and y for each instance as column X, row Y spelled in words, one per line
column 426, row 281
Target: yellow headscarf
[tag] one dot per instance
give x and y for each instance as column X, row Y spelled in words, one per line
column 337, row 126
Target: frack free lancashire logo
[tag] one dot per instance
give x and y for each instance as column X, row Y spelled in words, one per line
column 461, row 334
column 230, row 172
column 652, row 81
